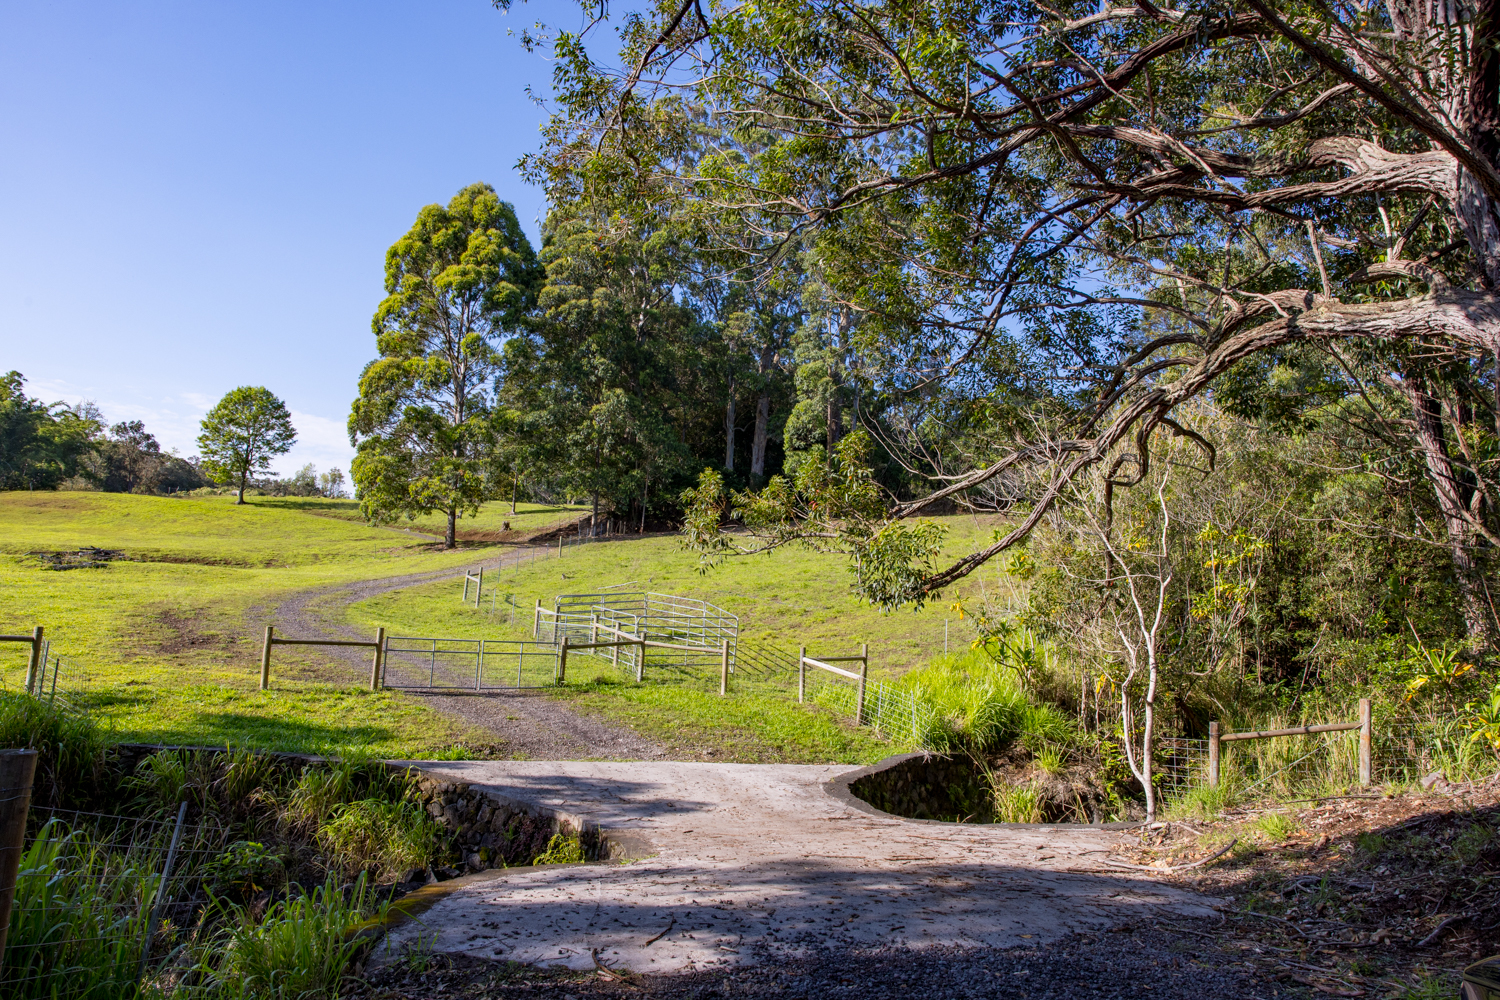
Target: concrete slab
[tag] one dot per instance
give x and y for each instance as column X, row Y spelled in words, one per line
column 750, row 862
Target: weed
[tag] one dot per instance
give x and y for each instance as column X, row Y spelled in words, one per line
column 1276, row 826
column 970, row 702
column 1202, row 802
column 1370, row 843
column 562, row 849
column 243, row 870
column 319, row 789
column 299, row 949
column 1438, row 987
column 385, row 837
column 1018, row 803
column 1468, row 844
column 162, row 778
column 1051, row 758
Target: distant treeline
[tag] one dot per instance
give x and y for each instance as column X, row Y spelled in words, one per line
column 49, row 446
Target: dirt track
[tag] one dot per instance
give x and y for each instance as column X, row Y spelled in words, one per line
column 529, row 725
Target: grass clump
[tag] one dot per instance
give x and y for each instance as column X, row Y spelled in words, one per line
column 70, row 746
column 562, row 849
column 971, row 702
column 1276, row 825
column 1018, row 804
column 388, row 838
column 298, row 950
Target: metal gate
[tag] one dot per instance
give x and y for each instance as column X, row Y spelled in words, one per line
column 419, row 662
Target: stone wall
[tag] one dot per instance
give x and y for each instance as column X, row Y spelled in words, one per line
column 489, row 829
column 927, row 786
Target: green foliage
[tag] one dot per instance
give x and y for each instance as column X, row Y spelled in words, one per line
column 40, row 445
column 299, row 949
column 70, row 745
column 457, row 283
column 1018, row 803
column 380, row 836
column 78, row 920
column 562, row 849
column 1276, row 826
column 245, row 869
column 972, row 703
column 243, row 432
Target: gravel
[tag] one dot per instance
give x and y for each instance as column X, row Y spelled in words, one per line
column 1127, row 963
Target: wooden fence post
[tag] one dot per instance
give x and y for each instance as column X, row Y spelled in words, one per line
column 802, row 675
column 640, row 661
column 479, row 586
column 536, row 619
column 379, row 661
column 1366, row 741
column 35, row 666
column 562, row 661
column 724, row 669
column 864, row 669
column 265, row 658
column 17, row 768
column 1213, row 755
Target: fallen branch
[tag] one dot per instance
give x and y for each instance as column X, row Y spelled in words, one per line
column 1178, row 868
column 1438, row 930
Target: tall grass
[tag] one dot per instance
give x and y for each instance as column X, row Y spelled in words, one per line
column 78, row 922
column 70, row 745
column 388, row 838
column 300, row 948
column 970, row 702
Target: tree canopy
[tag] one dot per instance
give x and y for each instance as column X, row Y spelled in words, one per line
column 242, row 434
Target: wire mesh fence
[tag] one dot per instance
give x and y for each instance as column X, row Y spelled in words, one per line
column 99, row 910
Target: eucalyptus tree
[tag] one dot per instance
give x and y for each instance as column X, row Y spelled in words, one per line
column 1079, row 217
column 458, row 283
column 242, row 433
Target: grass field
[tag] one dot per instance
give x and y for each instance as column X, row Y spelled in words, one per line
column 790, row 597
column 492, row 518
column 167, row 638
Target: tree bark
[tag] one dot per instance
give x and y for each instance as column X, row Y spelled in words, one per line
column 729, row 430
column 1453, row 495
column 243, row 474
column 515, row 488
column 758, row 442
column 450, row 538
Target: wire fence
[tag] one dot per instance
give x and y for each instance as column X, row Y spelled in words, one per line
column 105, row 903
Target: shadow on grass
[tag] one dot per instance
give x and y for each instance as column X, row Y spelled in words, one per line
column 262, row 733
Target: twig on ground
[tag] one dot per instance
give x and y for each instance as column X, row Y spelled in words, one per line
column 670, row 924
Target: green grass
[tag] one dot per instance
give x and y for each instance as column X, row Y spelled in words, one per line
column 170, row 643
column 492, row 517
column 790, row 597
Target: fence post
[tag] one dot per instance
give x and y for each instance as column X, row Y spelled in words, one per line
column 562, row 661
column 1213, row 755
column 536, row 619
column 559, row 545
column 802, row 675
column 724, row 669
column 17, row 768
column 1366, row 741
column 594, row 627
column 478, row 587
column 864, row 669
column 161, row 894
column 640, row 661
column 379, row 659
column 33, row 674
column 265, row 659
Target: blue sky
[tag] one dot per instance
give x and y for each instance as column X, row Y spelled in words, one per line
column 195, row 196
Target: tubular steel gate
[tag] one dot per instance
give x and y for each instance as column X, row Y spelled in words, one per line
column 680, row 635
column 468, row 664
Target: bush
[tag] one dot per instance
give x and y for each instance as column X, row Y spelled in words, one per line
column 562, row 849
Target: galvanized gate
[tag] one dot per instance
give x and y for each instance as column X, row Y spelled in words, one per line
column 421, row 662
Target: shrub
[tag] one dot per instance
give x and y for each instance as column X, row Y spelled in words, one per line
column 245, row 869
column 1276, row 826
column 381, row 836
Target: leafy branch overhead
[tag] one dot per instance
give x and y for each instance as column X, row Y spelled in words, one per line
column 826, row 506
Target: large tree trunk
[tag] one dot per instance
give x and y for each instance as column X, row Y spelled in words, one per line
column 244, row 473
column 1453, row 493
column 729, row 430
column 758, row 442
column 450, row 537
column 515, row 488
